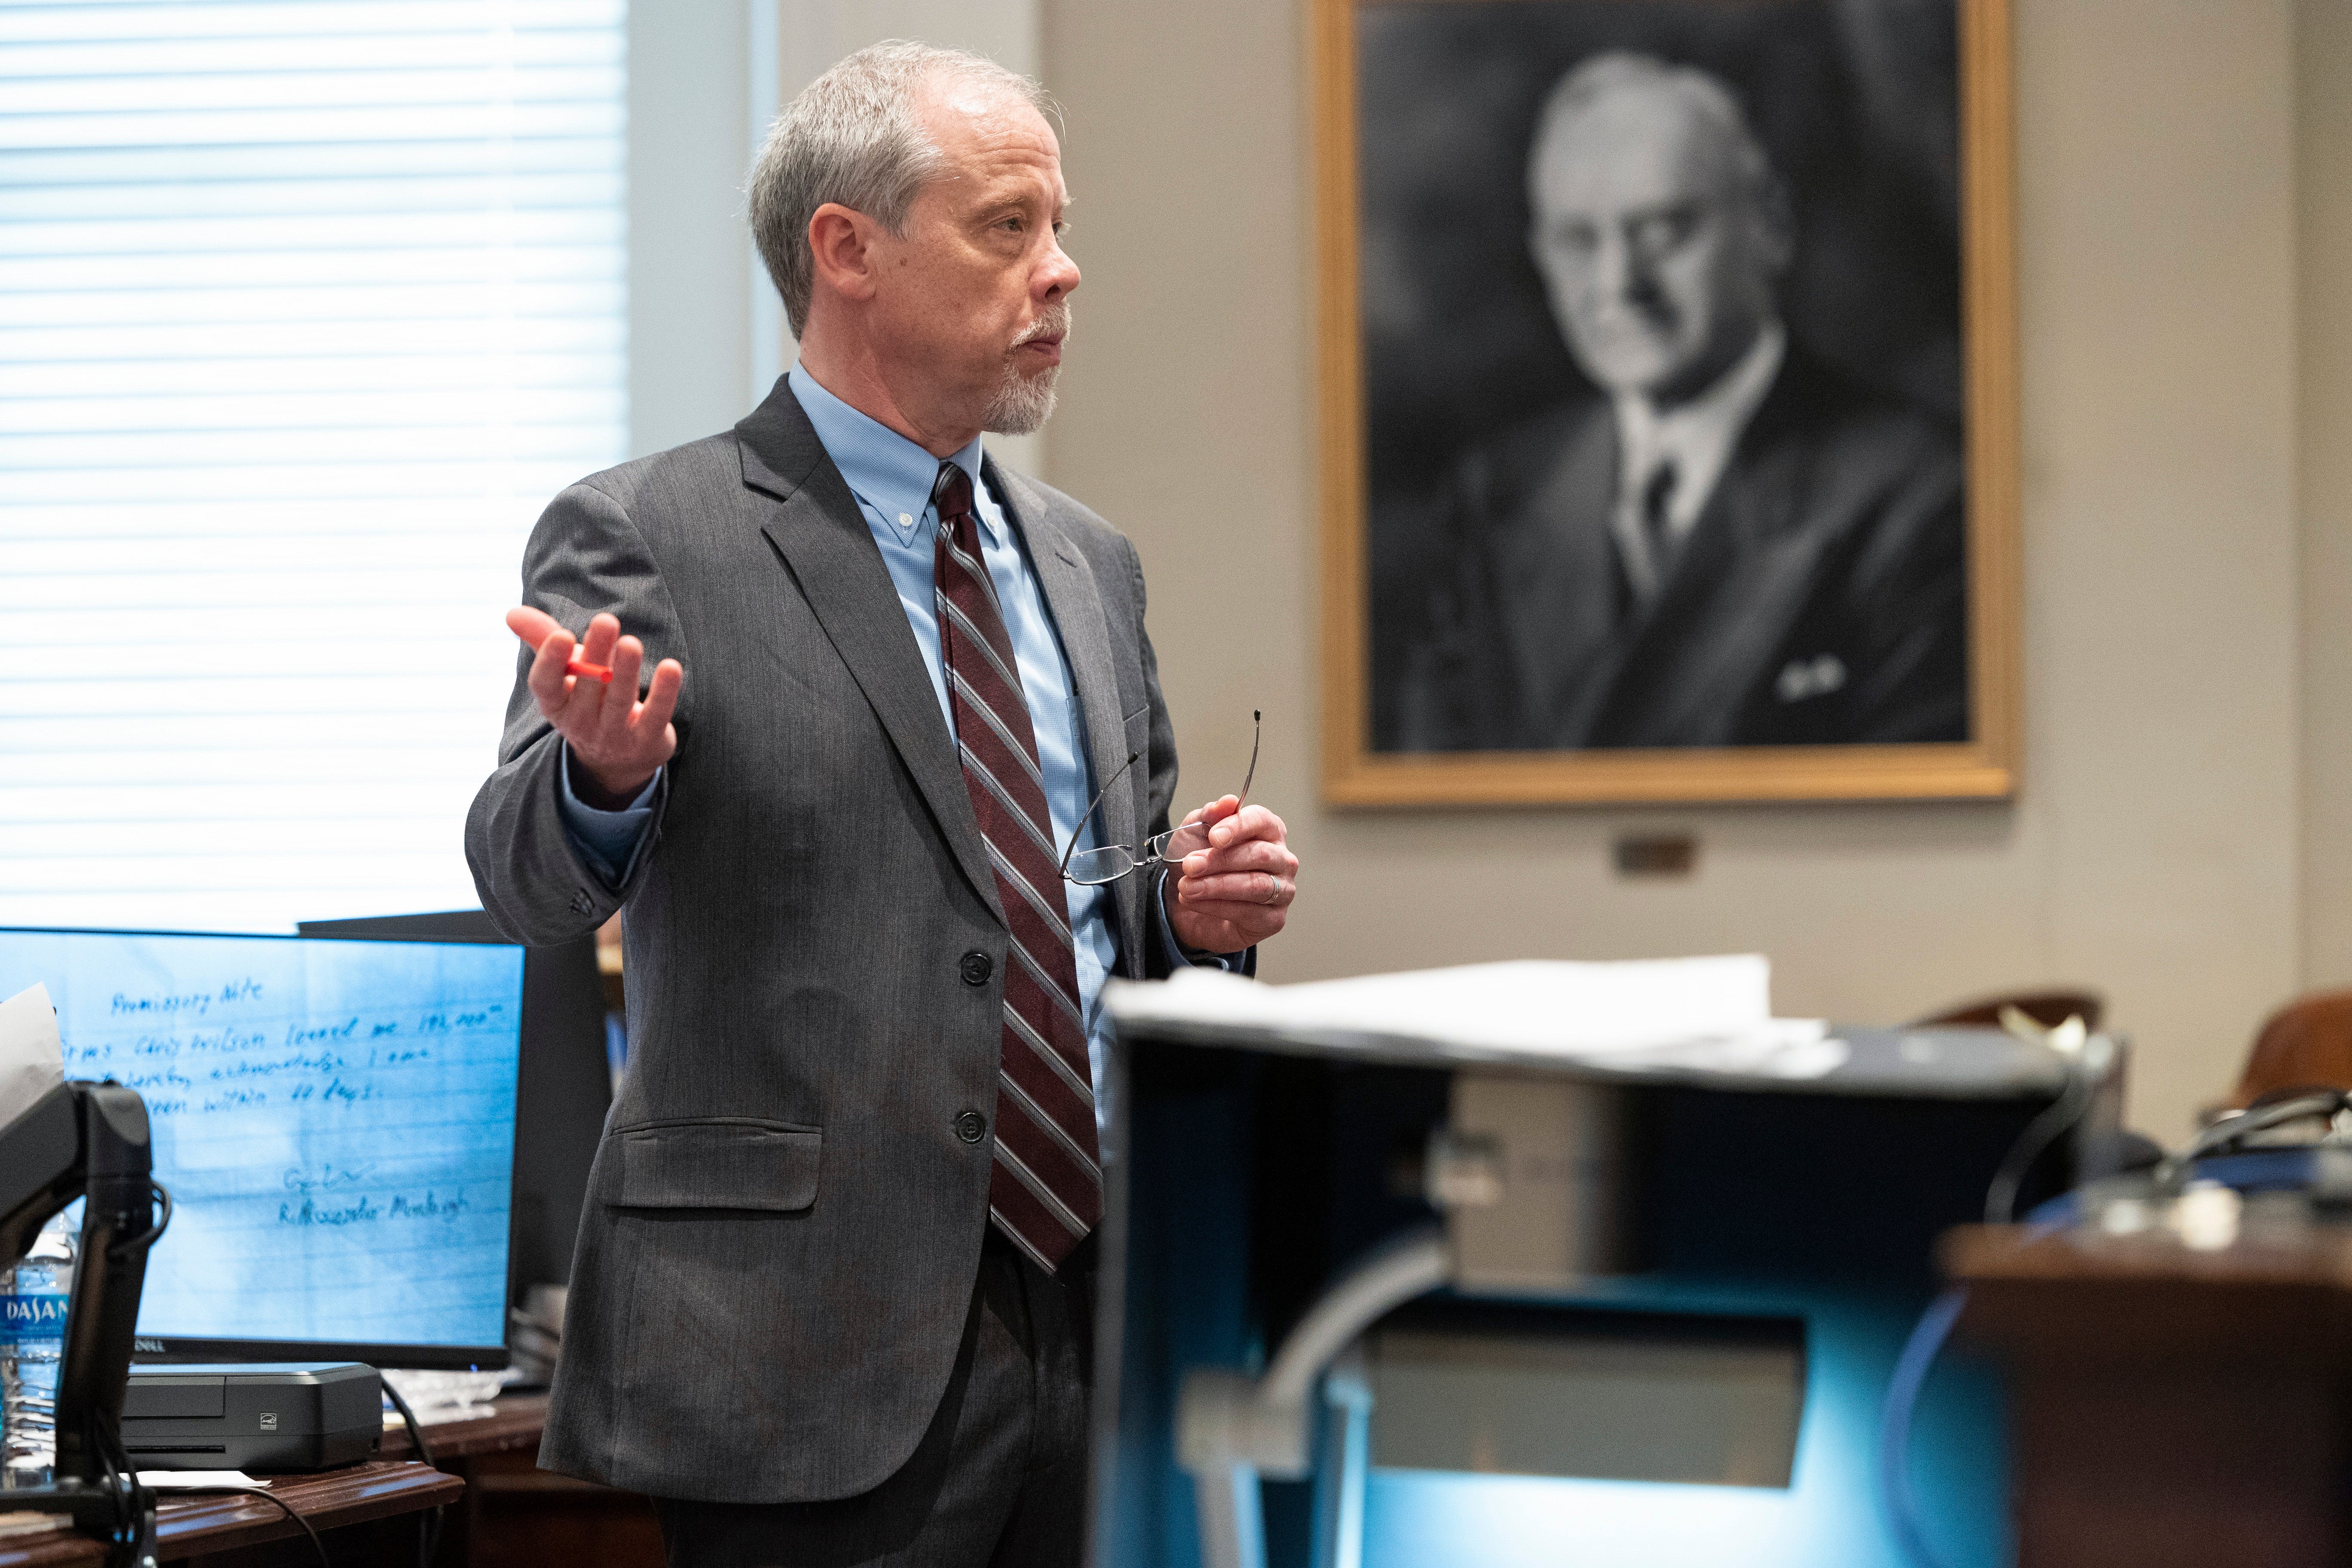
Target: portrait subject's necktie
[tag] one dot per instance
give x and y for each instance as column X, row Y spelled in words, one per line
column 1657, row 520
column 1044, row 1189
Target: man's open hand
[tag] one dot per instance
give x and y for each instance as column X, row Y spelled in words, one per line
column 1238, row 892
column 616, row 740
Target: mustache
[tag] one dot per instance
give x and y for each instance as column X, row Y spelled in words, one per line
column 1053, row 321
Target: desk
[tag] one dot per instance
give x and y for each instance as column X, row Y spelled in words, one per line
column 516, row 1515
column 506, row 1512
column 370, row 1507
column 514, row 1425
column 2169, row 1407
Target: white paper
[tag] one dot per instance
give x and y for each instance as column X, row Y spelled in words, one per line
column 1710, row 1015
column 194, row 1480
column 1778, row 1047
column 334, row 1119
column 32, row 1058
column 1531, row 1004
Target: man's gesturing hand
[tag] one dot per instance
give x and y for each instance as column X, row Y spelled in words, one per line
column 616, row 740
column 1238, row 892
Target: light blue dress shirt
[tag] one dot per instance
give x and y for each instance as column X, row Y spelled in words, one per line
column 892, row 478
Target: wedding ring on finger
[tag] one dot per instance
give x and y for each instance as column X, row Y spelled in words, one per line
column 1273, row 888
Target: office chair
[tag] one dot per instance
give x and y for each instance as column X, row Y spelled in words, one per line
column 2047, row 1008
column 2307, row 1044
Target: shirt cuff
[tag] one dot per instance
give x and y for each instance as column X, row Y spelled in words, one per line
column 1177, row 957
column 607, row 840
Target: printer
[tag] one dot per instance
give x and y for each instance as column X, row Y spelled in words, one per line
column 255, row 1416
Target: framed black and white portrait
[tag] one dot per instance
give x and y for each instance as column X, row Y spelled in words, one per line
column 1668, row 377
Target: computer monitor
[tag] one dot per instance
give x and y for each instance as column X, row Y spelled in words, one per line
column 334, row 1121
column 565, row 1087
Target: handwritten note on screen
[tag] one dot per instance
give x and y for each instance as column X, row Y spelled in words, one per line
column 335, row 1121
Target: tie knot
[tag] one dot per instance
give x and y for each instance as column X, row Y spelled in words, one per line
column 951, row 493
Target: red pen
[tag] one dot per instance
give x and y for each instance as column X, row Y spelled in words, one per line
column 592, row 671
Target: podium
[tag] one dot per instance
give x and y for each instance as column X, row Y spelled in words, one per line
column 1248, row 1170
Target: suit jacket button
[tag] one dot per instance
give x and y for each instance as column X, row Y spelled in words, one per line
column 972, row 1127
column 977, row 967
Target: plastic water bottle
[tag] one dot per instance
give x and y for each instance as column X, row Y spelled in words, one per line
column 32, row 1344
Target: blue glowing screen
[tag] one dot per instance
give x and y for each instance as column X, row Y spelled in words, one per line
column 1828, row 1517
column 334, row 1120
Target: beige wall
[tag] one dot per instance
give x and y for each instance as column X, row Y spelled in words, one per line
column 2155, row 849
column 2323, row 428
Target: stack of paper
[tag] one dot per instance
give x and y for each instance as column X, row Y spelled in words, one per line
column 1704, row 1015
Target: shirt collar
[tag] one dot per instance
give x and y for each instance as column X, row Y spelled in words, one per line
column 1699, row 434
column 886, row 471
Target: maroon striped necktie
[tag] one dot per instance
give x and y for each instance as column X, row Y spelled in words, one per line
column 1044, row 1189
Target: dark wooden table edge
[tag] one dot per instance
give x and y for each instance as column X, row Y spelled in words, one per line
column 515, row 1422
column 209, row 1522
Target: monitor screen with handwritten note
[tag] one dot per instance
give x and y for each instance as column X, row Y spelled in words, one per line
column 335, row 1121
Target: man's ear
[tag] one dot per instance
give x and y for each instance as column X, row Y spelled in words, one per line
column 841, row 239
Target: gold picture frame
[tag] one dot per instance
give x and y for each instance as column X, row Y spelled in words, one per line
column 1984, row 765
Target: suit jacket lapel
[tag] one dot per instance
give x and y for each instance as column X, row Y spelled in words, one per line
column 1556, row 572
column 824, row 543
column 1068, row 585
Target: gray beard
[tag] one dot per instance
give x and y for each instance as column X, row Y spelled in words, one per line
column 1020, row 403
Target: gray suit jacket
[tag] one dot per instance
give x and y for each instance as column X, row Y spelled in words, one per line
column 1819, row 599
column 782, row 1226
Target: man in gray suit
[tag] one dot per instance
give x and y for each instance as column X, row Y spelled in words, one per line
column 832, row 1298
column 1735, row 545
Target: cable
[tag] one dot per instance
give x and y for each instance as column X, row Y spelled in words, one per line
column 2074, row 1103
column 148, row 1238
column 309, row 1529
column 129, row 1536
column 1910, row 1376
column 2173, row 1172
column 2261, row 1119
column 408, row 1419
column 428, row 1525
column 1903, row 1388
column 133, row 1536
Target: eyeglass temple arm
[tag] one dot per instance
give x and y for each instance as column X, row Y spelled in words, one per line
column 1256, row 726
column 1064, row 869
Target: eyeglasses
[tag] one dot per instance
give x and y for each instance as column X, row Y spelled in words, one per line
column 1109, row 863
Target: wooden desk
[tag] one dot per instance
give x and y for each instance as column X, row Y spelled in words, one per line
column 516, row 1515
column 508, row 1512
column 514, row 1424
column 370, row 1507
column 2170, row 1407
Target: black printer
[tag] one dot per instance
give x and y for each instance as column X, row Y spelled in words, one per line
column 258, row 1415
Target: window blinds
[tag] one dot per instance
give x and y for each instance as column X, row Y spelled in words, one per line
column 307, row 307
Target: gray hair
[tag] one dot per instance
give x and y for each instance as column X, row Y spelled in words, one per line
column 1620, row 69
column 853, row 136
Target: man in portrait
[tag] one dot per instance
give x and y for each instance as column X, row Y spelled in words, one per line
column 1734, row 544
